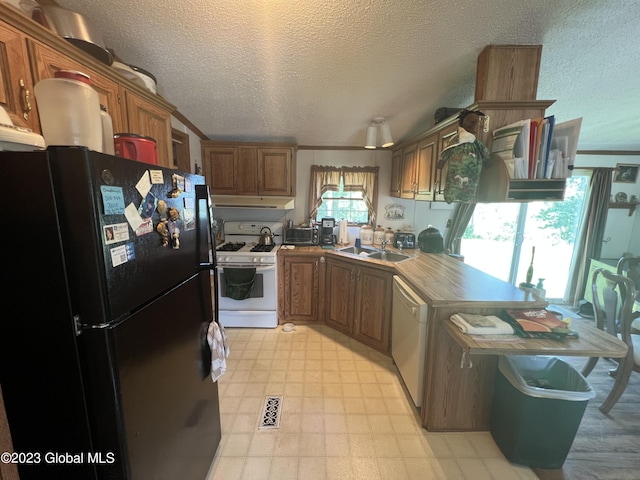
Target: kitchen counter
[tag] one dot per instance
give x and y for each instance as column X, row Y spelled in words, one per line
column 440, row 279
column 460, row 372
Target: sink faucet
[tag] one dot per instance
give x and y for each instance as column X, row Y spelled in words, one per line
column 399, row 245
column 384, row 245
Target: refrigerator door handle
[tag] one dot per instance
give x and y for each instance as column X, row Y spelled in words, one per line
column 205, row 236
column 205, row 352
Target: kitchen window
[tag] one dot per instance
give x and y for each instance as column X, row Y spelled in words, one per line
column 500, row 237
column 346, row 192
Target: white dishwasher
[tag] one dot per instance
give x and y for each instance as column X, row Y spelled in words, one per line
column 409, row 337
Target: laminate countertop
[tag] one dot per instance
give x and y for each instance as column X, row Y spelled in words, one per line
column 441, row 280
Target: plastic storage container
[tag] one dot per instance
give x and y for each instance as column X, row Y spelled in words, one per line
column 107, row 131
column 69, row 110
column 538, row 403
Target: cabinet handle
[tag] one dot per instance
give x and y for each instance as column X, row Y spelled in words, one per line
column 26, row 100
column 485, row 123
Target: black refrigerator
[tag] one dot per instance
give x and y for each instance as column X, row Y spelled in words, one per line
column 107, row 287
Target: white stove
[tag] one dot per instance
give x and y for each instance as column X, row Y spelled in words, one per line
column 247, row 275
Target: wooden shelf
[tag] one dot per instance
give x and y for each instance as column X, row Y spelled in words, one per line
column 630, row 206
column 533, row 189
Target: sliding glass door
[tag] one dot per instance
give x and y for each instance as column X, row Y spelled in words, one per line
column 501, row 238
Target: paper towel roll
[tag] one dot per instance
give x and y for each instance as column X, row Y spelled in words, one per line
column 343, row 234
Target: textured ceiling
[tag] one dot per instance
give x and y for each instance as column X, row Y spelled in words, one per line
column 316, row 72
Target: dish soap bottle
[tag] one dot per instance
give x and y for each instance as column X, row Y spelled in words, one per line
column 539, row 292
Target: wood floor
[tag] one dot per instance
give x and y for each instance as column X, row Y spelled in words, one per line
column 606, row 447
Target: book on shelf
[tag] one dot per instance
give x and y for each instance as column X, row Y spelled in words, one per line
column 537, row 323
column 537, row 148
column 475, row 324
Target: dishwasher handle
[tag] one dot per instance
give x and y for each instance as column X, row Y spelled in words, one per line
column 407, row 296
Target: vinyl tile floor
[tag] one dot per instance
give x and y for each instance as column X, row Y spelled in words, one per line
column 345, row 414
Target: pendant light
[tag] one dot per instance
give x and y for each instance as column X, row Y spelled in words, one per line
column 372, row 133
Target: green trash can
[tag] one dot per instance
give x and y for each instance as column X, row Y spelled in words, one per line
column 538, row 404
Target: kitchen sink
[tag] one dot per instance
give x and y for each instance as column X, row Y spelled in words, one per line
column 389, row 256
column 375, row 254
column 358, row 250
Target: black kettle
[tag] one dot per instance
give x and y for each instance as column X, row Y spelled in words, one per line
column 430, row 240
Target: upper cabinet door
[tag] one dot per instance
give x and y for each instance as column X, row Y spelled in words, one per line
column 220, row 168
column 49, row 61
column 444, row 138
column 425, row 168
column 16, row 84
column 396, row 173
column 276, row 172
column 409, row 159
column 145, row 118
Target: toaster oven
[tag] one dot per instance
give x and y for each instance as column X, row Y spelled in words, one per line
column 301, row 236
column 407, row 240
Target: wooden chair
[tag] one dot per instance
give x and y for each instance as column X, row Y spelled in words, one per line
column 630, row 267
column 616, row 321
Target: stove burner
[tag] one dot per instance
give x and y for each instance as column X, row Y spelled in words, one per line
column 230, row 247
column 262, row 248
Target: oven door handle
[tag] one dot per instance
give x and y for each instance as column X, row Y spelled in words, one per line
column 259, row 269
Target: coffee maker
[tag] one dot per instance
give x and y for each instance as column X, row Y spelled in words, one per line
column 327, row 238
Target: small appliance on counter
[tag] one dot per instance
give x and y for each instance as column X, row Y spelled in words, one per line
column 406, row 240
column 430, row 240
column 327, row 237
column 302, row 236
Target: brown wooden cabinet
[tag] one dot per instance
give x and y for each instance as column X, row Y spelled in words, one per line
column 358, row 302
column 16, row 84
column 373, row 308
column 413, row 171
column 48, row 61
column 396, row 173
column 339, row 293
column 249, row 169
column 144, row 118
column 30, row 53
column 302, row 285
column 445, row 134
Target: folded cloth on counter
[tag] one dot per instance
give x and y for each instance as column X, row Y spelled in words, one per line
column 239, row 282
column 217, row 339
column 475, row 324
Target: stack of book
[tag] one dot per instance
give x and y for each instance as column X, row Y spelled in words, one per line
column 537, row 323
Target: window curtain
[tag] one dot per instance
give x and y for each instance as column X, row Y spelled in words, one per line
column 323, row 179
column 365, row 180
column 362, row 179
column 589, row 241
column 460, row 219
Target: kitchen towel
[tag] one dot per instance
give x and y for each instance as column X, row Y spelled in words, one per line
column 239, row 282
column 474, row 324
column 217, row 339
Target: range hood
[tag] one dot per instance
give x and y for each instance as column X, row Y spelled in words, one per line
column 245, row 201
